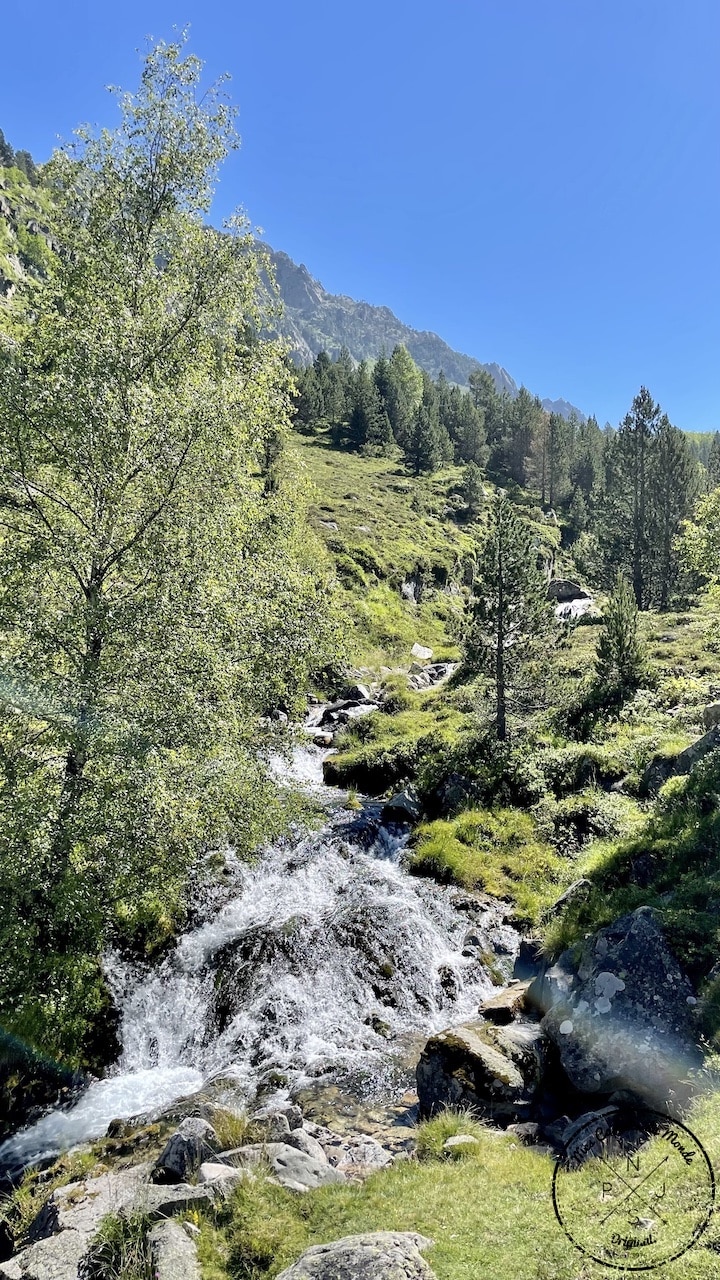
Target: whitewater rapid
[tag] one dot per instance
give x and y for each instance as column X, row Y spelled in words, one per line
column 325, row 960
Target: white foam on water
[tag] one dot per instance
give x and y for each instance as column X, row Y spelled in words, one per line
column 329, row 955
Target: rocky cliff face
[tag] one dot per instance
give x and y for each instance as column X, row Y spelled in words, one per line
column 315, row 320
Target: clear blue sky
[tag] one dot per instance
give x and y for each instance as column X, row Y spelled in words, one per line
column 536, row 180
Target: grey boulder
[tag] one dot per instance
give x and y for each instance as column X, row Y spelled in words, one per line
column 379, row 1255
column 173, row 1253
column 621, row 1014
column 289, row 1166
column 58, row 1257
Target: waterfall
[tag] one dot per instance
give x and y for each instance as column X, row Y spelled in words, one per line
column 326, row 959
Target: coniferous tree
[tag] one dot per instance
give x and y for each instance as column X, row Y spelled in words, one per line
column 6, row 152
column 713, row 464
column 674, row 486
column 423, row 451
column 25, row 163
column 472, row 489
column 587, row 454
column 511, row 623
column 626, row 516
column 486, row 399
column 620, row 659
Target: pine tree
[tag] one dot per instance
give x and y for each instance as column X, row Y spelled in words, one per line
column 6, row 152
column 511, row 623
column 674, row 486
column 25, row 163
column 713, row 465
column 423, row 451
column 626, row 516
column 620, row 659
column 472, row 489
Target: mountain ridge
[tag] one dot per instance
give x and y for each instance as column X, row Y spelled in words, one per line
column 316, row 320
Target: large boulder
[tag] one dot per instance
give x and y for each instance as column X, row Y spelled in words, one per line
column 621, row 1014
column 379, row 1255
column 192, row 1143
column 493, row 1070
column 711, row 715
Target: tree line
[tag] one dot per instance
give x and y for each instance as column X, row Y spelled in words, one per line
column 621, row 494
column 21, row 160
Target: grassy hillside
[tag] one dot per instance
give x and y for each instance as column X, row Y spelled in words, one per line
column 567, row 797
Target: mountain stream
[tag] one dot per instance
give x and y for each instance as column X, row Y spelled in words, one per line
column 326, row 962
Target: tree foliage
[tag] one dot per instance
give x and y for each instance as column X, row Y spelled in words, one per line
column 154, row 551
column 511, row 626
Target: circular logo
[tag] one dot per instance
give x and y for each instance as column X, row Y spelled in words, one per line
column 633, row 1189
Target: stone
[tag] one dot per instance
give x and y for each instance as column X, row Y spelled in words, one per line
column 59, row 1257
column 212, row 1170
column 711, row 715
column 80, row 1206
column 620, row 1013
column 563, row 590
column 159, row 1201
column 194, row 1141
column 323, row 739
column 459, row 1144
column 173, row 1253
column 574, row 893
column 332, row 525
column 305, row 1142
column 495, row 1071
column 404, row 807
column 507, row 1005
column 290, row 1167
column 421, row 651
column 277, row 1126
column 663, row 767
column 357, row 1155
column 357, row 692
column 378, row 1255
column 529, row 960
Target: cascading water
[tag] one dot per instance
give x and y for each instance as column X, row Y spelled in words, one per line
column 324, row 962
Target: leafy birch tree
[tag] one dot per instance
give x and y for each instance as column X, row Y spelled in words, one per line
column 159, row 588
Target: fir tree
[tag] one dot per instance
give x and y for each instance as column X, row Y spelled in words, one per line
column 511, row 623
column 6, row 152
column 620, row 659
column 713, row 464
column 472, row 489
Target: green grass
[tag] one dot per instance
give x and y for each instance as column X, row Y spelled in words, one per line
column 489, row 1213
column 497, row 851
column 384, row 751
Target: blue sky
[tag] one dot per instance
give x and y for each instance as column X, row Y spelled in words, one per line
column 535, row 180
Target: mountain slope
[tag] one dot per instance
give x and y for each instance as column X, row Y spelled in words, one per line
column 315, row 320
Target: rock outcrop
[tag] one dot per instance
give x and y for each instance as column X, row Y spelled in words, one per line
column 493, row 1070
column 664, row 767
column 380, row 1255
column 621, row 1014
